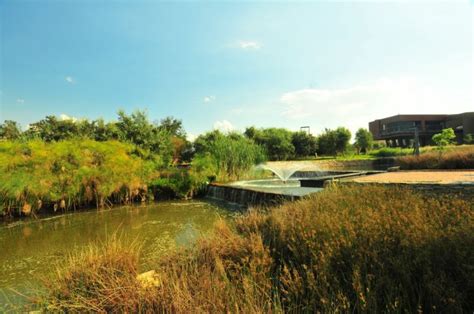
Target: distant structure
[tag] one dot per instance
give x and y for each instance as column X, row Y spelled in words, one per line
column 399, row 130
column 305, row 129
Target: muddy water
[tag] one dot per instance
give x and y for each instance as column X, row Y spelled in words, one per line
column 30, row 250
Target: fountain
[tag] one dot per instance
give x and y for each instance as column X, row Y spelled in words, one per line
column 284, row 170
column 266, row 191
column 295, row 179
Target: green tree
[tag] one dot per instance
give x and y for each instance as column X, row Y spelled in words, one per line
column 444, row 138
column 305, row 144
column 468, row 139
column 250, row 132
column 10, row 130
column 277, row 143
column 363, row 140
column 333, row 142
column 173, row 126
column 203, row 142
column 52, row 129
column 343, row 136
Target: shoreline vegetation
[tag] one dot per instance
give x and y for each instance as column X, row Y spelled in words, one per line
column 59, row 165
column 345, row 249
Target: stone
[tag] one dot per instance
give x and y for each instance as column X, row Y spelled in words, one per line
column 148, row 279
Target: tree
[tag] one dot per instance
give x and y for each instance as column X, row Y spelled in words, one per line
column 173, row 126
column 363, row 140
column 444, row 138
column 204, row 142
column 52, row 129
column 305, row 144
column 468, row 139
column 277, row 143
column 250, row 132
column 10, row 130
column 332, row 142
column 343, row 136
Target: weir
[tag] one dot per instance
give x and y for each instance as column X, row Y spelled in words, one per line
column 293, row 183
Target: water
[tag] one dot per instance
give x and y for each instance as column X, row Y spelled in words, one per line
column 288, row 187
column 31, row 249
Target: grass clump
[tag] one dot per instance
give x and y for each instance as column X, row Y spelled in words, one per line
column 97, row 279
column 459, row 158
column 347, row 249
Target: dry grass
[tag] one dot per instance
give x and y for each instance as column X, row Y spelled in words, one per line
column 364, row 249
column 460, row 158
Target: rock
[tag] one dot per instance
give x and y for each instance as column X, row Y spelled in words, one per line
column 148, row 279
column 26, row 209
column 393, row 169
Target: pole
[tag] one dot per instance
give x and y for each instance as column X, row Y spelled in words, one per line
column 416, row 150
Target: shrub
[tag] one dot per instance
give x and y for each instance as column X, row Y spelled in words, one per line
column 391, row 152
column 346, row 249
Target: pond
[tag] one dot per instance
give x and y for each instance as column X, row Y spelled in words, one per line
column 31, row 249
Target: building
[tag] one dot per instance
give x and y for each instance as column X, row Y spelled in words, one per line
column 399, row 130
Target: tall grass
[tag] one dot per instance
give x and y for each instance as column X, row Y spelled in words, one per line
column 69, row 174
column 231, row 157
column 459, row 158
column 363, row 249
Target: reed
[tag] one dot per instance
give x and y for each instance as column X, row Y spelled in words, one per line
column 347, row 249
column 460, row 158
column 69, row 174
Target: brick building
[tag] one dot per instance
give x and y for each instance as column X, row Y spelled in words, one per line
column 399, row 130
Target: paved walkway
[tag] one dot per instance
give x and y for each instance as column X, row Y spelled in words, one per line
column 420, row 177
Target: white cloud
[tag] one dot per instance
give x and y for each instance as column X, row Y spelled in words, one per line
column 209, row 98
column 356, row 106
column 64, row 117
column 223, row 126
column 69, row 79
column 191, row 137
column 248, row 45
column 20, row 100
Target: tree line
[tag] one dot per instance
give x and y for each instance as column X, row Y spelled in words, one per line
column 167, row 138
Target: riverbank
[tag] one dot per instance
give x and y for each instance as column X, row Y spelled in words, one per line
column 345, row 249
column 32, row 249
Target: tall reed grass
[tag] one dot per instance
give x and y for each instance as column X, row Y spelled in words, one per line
column 347, row 249
column 459, row 158
column 69, row 174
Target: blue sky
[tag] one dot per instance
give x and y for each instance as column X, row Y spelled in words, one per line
column 231, row 65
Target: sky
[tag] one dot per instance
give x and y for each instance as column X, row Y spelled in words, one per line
column 230, row 65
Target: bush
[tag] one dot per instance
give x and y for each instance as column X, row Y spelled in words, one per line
column 391, row 152
column 347, row 249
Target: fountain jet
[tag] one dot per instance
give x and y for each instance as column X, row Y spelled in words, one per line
column 284, row 170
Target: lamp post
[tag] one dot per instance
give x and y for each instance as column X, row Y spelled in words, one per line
column 416, row 147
